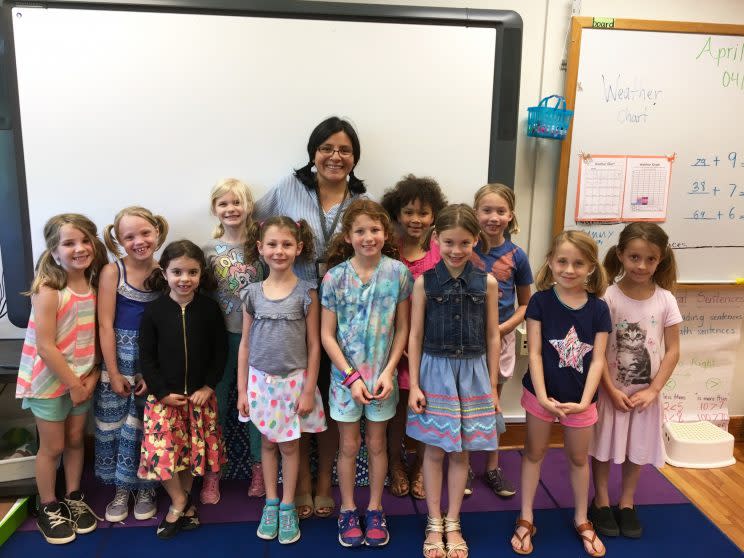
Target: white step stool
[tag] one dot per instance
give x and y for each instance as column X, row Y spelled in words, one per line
column 697, row 445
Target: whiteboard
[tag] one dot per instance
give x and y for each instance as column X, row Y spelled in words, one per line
column 667, row 93
column 152, row 108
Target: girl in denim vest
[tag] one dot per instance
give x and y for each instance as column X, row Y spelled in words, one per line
column 453, row 356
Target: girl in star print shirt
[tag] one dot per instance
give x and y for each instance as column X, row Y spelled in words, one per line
column 567, row 330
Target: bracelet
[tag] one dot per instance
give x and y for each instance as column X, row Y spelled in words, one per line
column 353, row 377
column 348, row 371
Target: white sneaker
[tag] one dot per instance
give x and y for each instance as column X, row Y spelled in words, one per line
column 145, row 505
column 118, row 508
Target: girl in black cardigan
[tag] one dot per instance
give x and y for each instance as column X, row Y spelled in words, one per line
column 183, row 348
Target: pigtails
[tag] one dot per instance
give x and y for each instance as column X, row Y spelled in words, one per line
column 162, row 226
column 251, row 242
column 597, row 282
column 99, row 260
column 306, row 175
column 305, row 235
column 111, row 241
column 612, row 265
column 156, row 282
column 544, row 278
column 338, row 250
column 666, row 271
column 48, row 273
column 356, row 186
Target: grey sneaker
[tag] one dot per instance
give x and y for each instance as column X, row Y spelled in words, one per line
column 118, row 508
column 145, row 505
column 499, row 484
column 81, row 514
column 55, row 524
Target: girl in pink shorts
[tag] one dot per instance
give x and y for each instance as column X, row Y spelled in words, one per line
column 567, row 329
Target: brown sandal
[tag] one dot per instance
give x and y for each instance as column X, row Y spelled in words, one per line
column 531, row 532
column 398, row 480
column 417, row 484
column 590, row 539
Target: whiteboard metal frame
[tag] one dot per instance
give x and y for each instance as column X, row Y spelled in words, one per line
column 14, row 214
column 578, row 24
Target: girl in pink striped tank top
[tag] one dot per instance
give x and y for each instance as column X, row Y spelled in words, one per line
column 59, row 371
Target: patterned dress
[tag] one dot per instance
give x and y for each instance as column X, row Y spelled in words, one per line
column 119, row 419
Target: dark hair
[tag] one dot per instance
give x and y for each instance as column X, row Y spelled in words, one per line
column 180, row 249
column 300, row 230
column 339, row 250
column 409, row 189
column 319, row 135
column 666, row 271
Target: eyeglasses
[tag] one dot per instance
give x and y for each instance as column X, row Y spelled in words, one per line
column 343, row 151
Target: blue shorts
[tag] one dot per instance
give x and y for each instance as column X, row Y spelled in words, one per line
column 345, row 409
column 55, row 409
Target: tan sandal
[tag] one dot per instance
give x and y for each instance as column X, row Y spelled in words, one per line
column 324, row 506
column 434, row 525
column 398, row 480
column 417, row 484
column 590, row 539
column 453, row 525
column 531, row 532
column 304, row 506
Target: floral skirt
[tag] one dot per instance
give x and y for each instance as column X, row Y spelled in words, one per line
column 180, row 438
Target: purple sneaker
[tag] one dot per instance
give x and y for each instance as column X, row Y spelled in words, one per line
column 349, row 531
column 376, row 533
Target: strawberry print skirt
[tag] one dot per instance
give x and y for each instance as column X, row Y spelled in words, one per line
column 272, row 404
column 180, row 438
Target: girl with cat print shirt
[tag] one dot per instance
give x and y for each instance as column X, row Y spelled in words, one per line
column 641, row 355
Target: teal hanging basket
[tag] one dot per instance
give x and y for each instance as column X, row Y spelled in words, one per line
column 549, row 122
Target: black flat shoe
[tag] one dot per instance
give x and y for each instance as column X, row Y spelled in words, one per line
column 168, row 530
column 604, row 520
column 629, row 525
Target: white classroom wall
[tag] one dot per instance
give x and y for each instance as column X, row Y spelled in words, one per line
column 546, row 24
column 545, row 29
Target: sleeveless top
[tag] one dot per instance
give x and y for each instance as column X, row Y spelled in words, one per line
column 130, row 302
column 75, row 338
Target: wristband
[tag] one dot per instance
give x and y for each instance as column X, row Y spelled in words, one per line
column 348, row 371
column 353, row 377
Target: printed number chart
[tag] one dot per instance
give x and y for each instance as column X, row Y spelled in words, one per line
column 618, row 188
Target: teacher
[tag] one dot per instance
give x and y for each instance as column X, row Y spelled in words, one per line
column 319, row 193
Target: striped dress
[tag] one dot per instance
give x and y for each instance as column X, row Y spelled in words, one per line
column 75, row 338
column 119, row 419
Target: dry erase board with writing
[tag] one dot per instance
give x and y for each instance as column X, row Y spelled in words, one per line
column 651, row 88
column 119, row 106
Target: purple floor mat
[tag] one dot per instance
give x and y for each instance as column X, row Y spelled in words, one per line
column 235, row 506
column 653, row 487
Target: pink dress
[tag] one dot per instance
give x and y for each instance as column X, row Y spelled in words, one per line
column 634, row 353
column 416, row 267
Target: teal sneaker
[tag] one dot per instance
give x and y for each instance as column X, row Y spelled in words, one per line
column 289, row 526
column 269, row 526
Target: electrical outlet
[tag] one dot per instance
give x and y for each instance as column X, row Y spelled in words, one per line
column 521, row 340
